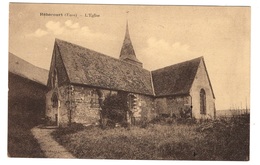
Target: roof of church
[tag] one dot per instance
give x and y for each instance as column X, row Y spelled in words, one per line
column 127, row 50
column 88, row 67
column 175, row 79
column 26, row 70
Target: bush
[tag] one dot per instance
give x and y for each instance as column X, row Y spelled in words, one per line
column 187, row 121
column 125, row 124
column 114, row 109
column 163, row 119
column 142, row 122
column 228, row 138
column 72, row 128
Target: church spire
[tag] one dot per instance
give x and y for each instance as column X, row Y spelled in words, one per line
column 127, row 51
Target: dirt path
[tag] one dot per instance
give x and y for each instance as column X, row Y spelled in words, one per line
column 49, row 146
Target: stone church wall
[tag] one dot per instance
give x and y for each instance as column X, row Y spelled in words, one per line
column 172, row 106
column 79, row 105
column 57, row 115
column 201, row 81
column 87, row 108
column 178, row 105
column 84, row 105
column 144, row 110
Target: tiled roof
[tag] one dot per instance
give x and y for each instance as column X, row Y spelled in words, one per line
column 24, row 69
column 88, row 67
column 175, row 79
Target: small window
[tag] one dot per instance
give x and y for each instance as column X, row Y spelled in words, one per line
column 94, row 102
column 54, row 100
column 202, row 102
column 54, row 79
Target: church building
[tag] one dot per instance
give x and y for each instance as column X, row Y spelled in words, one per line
column 80, row 79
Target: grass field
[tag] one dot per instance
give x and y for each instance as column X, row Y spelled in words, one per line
column 21, row 142
column 225, row 139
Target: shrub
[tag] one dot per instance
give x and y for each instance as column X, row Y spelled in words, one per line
column 228, row 137
column 114, row 109
column 163, row 119
column 72, row 128
column 125, row 124
column 144, row 123
column 187, row 121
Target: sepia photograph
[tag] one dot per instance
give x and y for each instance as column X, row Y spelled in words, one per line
column 129, row 82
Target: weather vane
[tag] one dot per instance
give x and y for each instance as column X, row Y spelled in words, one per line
column 127, row 15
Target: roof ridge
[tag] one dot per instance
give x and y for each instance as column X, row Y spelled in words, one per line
column 99, row 53
column 175, row 79
column 82, row 47
column 169, row 66
column 25, row 69
column 66, row 71
column 12, row 54
column 203, row 61
column 152, row 83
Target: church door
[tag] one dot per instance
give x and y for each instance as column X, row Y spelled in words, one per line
column 55, row 106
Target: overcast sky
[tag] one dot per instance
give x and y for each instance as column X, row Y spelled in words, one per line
column 161, row 36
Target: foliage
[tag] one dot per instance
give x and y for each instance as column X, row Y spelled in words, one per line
column 21, row 142
column 72, row 128
column 162, row 119
column 114, row 109
column 231, row 135
column 185, row 113
column 210, row 140
column 187, row 121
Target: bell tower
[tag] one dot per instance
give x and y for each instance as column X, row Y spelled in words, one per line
column 127, row 51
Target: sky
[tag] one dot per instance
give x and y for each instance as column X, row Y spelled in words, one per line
column 161, row 36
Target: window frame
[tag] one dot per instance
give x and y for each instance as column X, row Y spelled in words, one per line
column 203, row 101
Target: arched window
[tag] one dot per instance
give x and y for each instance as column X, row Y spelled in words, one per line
column 202, row 101
column 54, row 78
column 54, row 100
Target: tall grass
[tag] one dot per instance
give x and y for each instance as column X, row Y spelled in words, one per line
column 211, row 140
column 21, row 142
